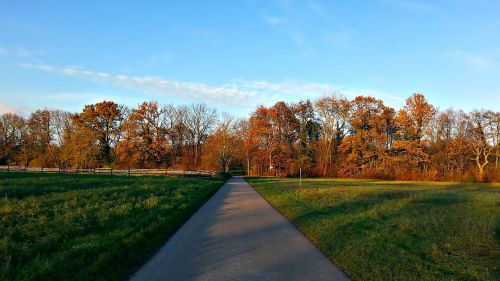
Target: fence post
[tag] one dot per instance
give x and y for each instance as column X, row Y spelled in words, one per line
column 300, row 176
column 8, row 167
column 111, row 171
column 129, row 171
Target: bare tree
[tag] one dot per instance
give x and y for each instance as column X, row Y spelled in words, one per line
column 333, row 116
column 224, row 146
column 12, row 136
column 200, row 121
column 40, row 136
column 482, row 145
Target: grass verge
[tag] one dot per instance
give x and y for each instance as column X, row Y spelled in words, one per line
column 89, row 227
column 389, row 230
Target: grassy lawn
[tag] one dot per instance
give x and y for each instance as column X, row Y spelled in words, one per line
column 386, row 230
column 88, row 227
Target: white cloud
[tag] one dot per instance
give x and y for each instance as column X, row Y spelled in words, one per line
column 225, row 94
column 289, row 87
column 240, row 93
column 475, row 60
column 294, row 90
column 68, row 96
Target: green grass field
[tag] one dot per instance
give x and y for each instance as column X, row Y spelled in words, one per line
column 385, row 230
column 88, row 227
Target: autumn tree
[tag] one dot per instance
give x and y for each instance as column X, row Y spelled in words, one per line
column 12, row 137
column 79, row 149
column 102, row 121
column 365, row 146
column 224, row 146
column 331, row 136
column 146, row 140
column 258, row 142
column 285, row 129
column 412, row 123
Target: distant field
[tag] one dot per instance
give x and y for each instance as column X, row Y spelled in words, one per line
column 89, row 227
column 384, row 230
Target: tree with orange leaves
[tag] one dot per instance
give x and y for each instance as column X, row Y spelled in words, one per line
column 285, row 132
column 366, row 145
column 412, row 123
column 146, row 142
column 259, row 141
column 223, row 147
column 103, row 121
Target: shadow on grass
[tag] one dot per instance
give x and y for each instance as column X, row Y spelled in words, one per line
column 361, row 204
column 374, row 218
column 21, row 185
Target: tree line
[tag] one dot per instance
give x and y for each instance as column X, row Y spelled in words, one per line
column 330, row 137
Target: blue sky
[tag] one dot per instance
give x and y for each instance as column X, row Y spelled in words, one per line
column 234, row 55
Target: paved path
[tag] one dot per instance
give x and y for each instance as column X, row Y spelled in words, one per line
column 237, row 235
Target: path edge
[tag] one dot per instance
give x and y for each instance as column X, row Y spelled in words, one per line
column 134, row 270
column 298, row 229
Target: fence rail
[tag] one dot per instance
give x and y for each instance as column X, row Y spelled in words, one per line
column 111, row 171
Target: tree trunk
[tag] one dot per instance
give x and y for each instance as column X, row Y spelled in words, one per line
column 480, row 173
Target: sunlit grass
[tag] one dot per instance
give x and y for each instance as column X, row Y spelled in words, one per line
column 391, row 230
column 87, row 227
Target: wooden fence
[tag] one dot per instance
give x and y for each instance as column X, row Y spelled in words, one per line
column 111, row 171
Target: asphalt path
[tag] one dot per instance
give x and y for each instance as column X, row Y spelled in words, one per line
column 237, row 235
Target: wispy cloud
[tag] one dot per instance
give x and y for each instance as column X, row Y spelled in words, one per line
column 293, row 88
column 476, row 61
column 285, row 26
column 315, row 7
column 341, row 38
column 18, row 109
column 242, row 93
column 273, row 20
column 15, row 52
column 5, row 108
column 417, row 6
column 225, row 94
